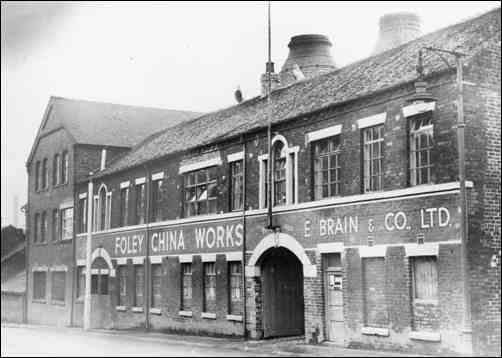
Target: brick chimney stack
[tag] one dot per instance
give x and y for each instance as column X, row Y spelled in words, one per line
column 264, row 79
column 397, row 29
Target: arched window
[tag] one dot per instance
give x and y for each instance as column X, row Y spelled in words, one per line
column 284, row 174
column 102, row 209
column 279, row 174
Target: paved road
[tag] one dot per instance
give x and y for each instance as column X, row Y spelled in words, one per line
column 31, row 340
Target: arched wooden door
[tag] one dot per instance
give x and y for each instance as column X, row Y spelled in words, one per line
column 283, row 308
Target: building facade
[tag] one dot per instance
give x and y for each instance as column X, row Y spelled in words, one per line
column 74, row 138
column 365, row 246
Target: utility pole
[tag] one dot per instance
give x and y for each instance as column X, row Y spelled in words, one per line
column 269, row 71
column 88, row 252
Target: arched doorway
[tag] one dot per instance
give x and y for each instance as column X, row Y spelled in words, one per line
column 282, row 291
column 101, row 305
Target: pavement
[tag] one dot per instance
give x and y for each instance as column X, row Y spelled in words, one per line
column 45, row 341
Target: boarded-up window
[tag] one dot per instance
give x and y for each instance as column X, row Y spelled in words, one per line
column 39, row 284
column 156, row 286
column 139, row 275
column 235, row 277
column 209, row 287
column 186, row 298
column 58, row 286
column 425, row 278
column 375, row 304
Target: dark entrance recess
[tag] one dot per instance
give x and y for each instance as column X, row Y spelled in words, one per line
column 100, row 295
column 283, row 309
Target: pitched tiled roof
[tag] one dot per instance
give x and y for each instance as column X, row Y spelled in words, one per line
column 375, row 73
column 110, row 124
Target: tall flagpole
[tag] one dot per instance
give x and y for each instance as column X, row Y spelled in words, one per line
column 269, row 71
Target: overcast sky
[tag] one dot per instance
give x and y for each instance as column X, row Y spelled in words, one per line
column 186, row 55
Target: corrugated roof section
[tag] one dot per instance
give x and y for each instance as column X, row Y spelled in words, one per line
column 375, row 73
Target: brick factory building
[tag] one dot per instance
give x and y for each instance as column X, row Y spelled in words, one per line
column 367, row 246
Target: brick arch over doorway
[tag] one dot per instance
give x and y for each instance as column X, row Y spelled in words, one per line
column 279, row 240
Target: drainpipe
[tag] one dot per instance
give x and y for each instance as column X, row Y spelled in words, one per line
column 87, row 297
column 73, row 254
column 148, row 193
column 243, row 268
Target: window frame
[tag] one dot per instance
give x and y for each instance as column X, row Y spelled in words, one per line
column 200, row 195
column 414, row 280
column 235, row 301
column 139, row 289
column 59, row 300
column 291, row 172
column 45, row 174
column 186, row 286
column 82, row 215
column 65, row 164
column 36, row 225
column 124, row 206
column 43, row 227
column 209, row 287
column 66, row 223
column 156, row 285
column 37, row 175
column 56, row 170
column 81, row 280
column 236, row 184
column 56, row 224
column 140, row 203
column 333, row 151
column 35, row 296
column 122, row 283
column 368, row 158
column 414, row 135
column 157, row 199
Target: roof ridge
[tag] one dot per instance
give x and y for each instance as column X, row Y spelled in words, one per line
column 121, row 104
column 359, row 78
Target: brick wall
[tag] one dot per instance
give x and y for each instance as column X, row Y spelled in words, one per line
column 51, row 253
column 482, row 139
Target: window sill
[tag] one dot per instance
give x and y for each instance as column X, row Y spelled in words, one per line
column 185, row 313
column 39, row 300
column 40, row 243
column 233, row 317
column 156, row 311
column 375, row 331
column 137, row 309
column 121, row 308
column 208, row 315
column 425, row 336
column 58, row 303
